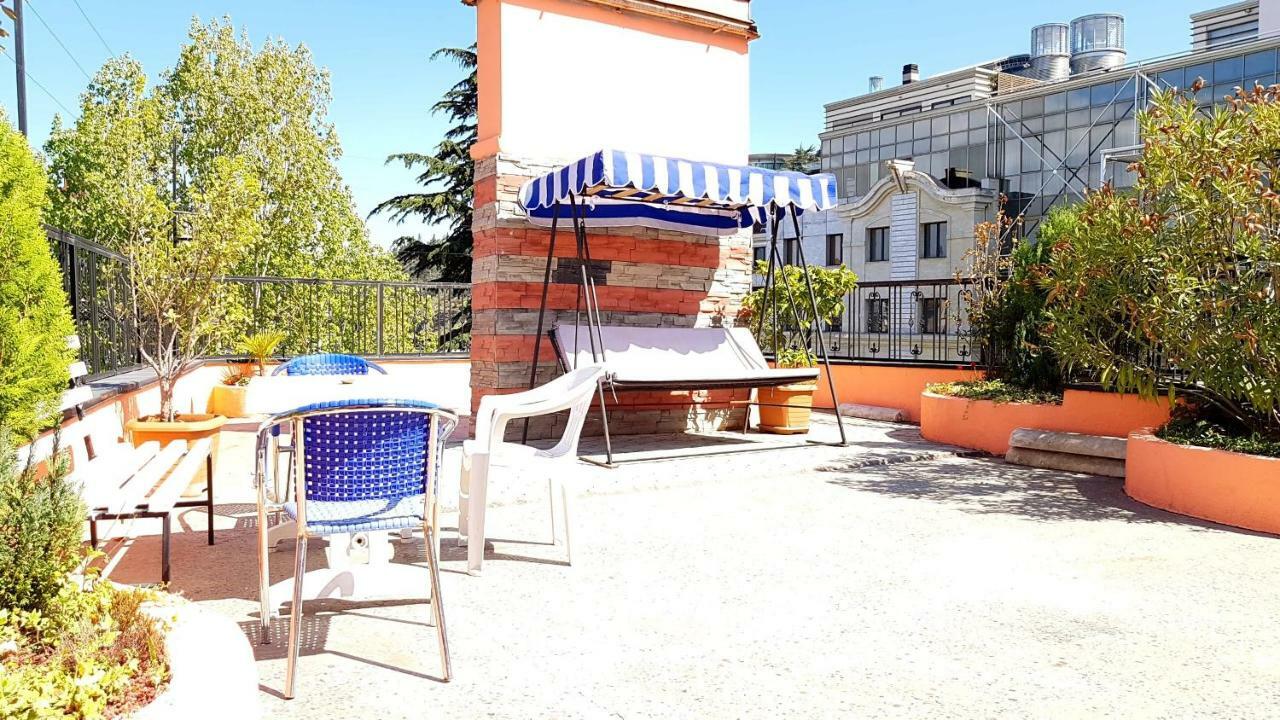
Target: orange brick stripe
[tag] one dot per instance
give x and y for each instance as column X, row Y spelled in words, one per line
column 528, row 295
column 534, row 242
column 509, row 348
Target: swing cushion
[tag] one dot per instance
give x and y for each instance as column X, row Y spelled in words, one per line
column 640, row 358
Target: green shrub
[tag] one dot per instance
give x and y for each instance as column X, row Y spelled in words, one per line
column 1006, row 303
column 93, row 654
column 34, row 320
column 1190, row 426
column 41, row 520
column 789, row 296
column 996, row 391
column 1182, row 272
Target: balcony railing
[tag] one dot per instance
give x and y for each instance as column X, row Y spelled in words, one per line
column 357, row 317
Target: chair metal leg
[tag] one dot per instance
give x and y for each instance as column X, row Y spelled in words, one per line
column 437, row 601
column 208, row 487
column 295, row 616
column 551, row 502
column 264, row 572
column 564, row 504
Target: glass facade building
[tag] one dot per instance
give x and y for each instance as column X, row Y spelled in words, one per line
column 1044, row 144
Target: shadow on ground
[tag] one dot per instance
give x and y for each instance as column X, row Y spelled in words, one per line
column 992, row 486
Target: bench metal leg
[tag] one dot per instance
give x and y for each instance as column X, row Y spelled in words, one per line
column 164, row 548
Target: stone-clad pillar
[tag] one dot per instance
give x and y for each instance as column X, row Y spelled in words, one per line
column 644, row 277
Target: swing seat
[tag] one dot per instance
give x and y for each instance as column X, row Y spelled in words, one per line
column 639, row 358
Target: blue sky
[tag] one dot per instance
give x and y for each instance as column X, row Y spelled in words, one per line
column 811, row 52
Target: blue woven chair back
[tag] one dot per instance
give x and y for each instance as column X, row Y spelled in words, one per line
column 328, row 364
column 367, row 455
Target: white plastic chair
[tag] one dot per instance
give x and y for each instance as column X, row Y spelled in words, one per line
column 572, row 392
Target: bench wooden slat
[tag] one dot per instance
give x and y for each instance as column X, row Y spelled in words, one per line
column 167, row 494
column 103, row 476
column 76, row 396
column 78, row 369
column 135, row 490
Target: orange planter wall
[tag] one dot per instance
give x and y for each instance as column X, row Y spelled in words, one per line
column 886, row 386
column 984, row 425
column 1217, row 485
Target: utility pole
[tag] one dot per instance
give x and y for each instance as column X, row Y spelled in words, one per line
column 19, row 56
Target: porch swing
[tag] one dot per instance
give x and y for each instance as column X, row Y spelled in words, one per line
column 613, row 188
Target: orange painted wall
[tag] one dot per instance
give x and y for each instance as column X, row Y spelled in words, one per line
column 984, row 425
column 1217, row 485
column 886, row 386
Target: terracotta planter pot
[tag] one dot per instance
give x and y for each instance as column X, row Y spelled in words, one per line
column 793, row 419
column 1218, row 485
column 186, row 427
column 227, row 400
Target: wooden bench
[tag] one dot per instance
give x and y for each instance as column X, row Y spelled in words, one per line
column 122, row 482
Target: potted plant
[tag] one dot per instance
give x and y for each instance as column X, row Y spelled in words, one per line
column 262, row 346
column 785, row 409
column 176, row 303
column 785, row 313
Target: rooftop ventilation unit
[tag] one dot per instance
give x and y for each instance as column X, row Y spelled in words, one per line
column 1016, row 65
column 910, row 73
column 875, row 84
column 1097, row 42
column 1050, row 52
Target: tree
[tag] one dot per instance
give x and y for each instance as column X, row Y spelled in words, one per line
column 175, row 301
column 222, row 98
column 1184, row 273
column 34, row 320
column 785, row 314
column 448, row 179
column 802, row 159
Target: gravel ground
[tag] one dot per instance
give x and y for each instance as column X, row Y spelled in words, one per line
column 888, row 579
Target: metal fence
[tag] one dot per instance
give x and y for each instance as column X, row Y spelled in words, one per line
column 916, row 321
column 357, row 317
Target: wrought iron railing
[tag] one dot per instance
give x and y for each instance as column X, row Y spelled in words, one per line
column 917, row 321
column 358, row 317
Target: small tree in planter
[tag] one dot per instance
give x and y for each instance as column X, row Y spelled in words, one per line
column 785, row 314
column 1183, row 274
column 176, row 303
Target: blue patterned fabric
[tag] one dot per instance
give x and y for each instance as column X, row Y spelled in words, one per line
column 615, row 187
column 328, row 364
column 366, row 468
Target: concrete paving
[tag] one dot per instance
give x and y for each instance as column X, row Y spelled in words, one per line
column 886, row 579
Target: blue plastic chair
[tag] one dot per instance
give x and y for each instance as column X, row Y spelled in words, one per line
column 363, row 466
column 328, row 364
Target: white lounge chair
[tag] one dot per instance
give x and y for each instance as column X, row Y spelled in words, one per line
column 571, row 392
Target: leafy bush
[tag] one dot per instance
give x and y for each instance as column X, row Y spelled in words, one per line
column 1183, row 273
column 34, row 320
column 41, row 518
column 789, row 296
column 996, row 391
column 94, row 653
column 1190, row 426
column 1006, row 302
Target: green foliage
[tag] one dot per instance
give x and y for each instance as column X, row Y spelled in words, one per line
column 996, row 391
column 802, row 159
column 222, row 99
column 261, row 346
column 1006, row 302
column 796, row 358
column 41, row 518
column 1192, row 427
column 34, row 320
column 448, row 181
column 176, row 301
column 93, row 653
column 1187, row 270
column 794, row 320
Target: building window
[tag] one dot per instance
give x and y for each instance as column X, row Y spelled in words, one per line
column 758, row 255
column 934, row 240
column 835, row 249
column 877, row 244
column 791, row 251
column 877, row 315
column 933, row 319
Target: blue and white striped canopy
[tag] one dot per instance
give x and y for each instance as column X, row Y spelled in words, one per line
column 617, row 188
